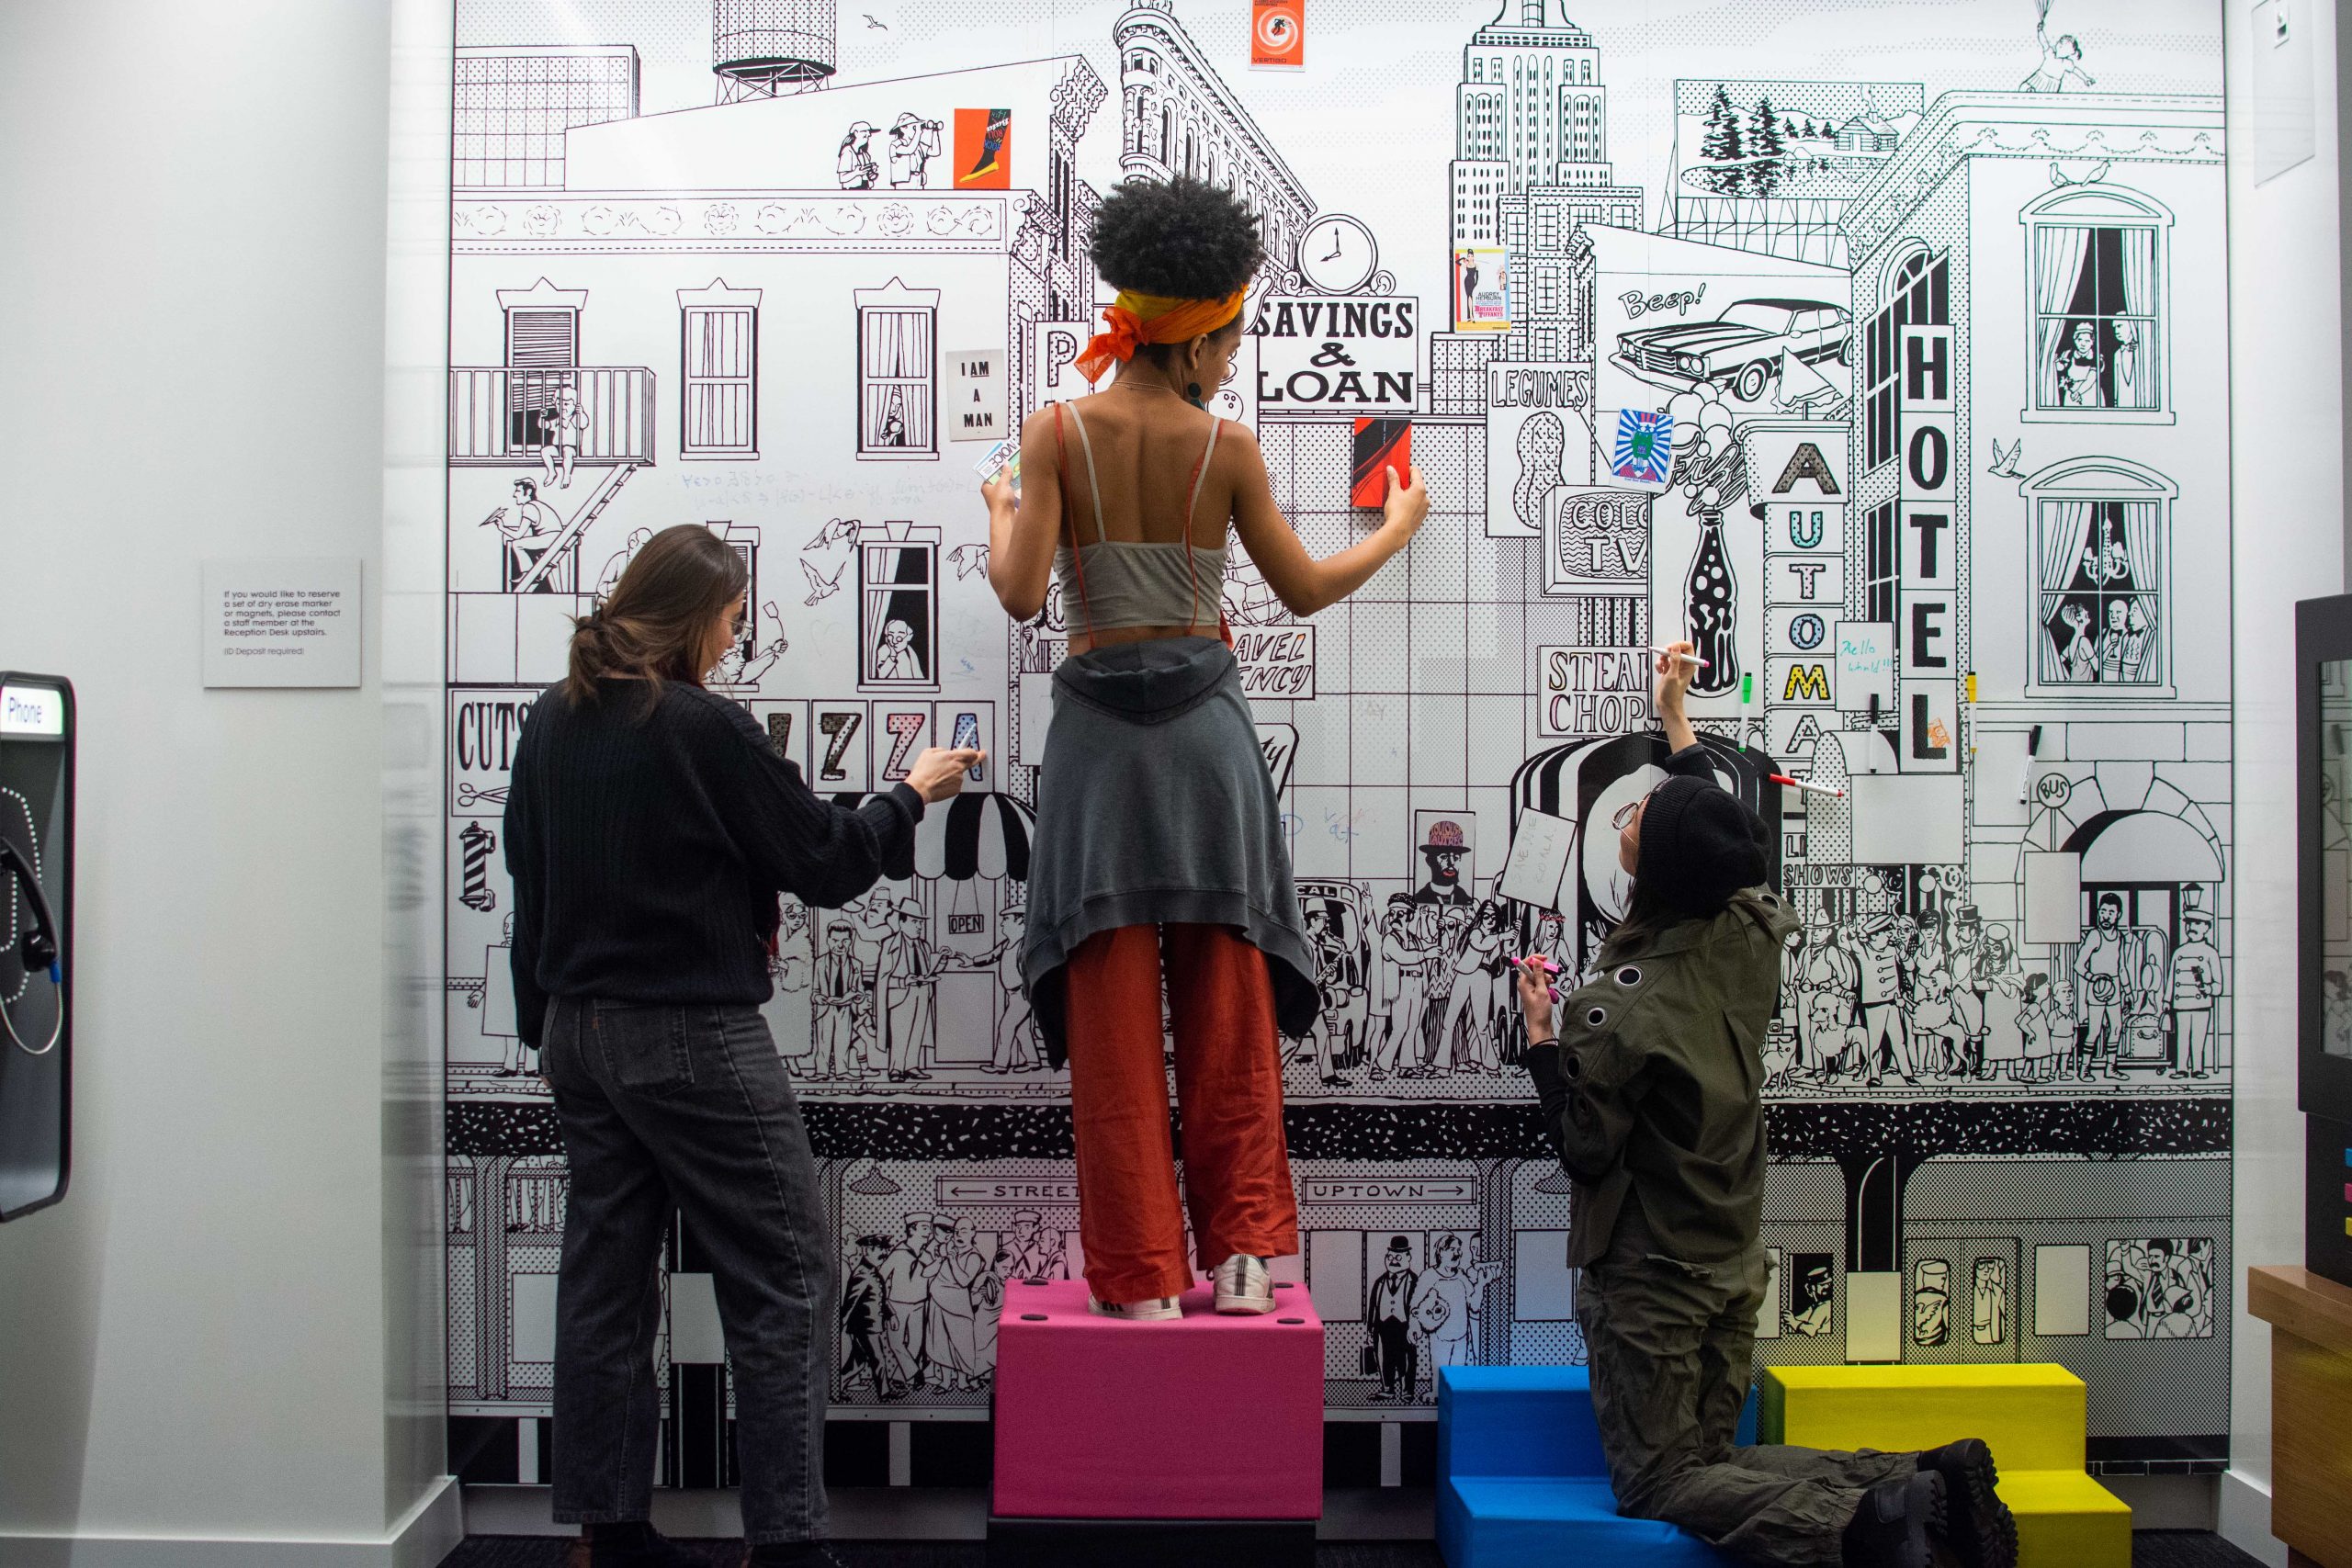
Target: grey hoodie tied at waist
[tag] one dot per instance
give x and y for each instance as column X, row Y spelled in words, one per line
column 1154, row 806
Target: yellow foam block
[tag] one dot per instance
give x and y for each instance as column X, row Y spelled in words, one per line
column 2067, row 1520
column 2030, row 1415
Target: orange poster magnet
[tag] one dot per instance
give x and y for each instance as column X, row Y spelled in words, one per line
column 1278, row 35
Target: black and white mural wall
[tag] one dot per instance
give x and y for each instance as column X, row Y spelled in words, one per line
column 1877, row 347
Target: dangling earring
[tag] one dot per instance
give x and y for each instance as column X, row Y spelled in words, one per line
column 1193, row 394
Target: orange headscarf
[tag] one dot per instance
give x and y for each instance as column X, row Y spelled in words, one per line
column 1138, row 318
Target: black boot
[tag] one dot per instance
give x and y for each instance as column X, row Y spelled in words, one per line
column 1980, row 1528
column 1890, row 1525
column 632, row 1543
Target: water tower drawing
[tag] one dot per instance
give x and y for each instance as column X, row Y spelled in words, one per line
column 760, row 49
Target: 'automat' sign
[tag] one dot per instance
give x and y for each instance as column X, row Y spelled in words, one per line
column 1321, row 353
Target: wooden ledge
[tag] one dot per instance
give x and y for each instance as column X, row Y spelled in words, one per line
column 2304, row 1304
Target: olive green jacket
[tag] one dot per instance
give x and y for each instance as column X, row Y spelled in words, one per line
column 1655, row 1089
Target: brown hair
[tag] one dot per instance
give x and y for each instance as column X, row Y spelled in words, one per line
column 652, row 624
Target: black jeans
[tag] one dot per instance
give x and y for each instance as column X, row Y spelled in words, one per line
column 690, row 1107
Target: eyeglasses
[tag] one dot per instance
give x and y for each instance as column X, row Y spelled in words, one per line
column 1626, row 813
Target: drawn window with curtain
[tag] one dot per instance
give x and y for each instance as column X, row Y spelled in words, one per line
column 2101, row 616
column 898, row 611
column 2101, row 566
column 719, row 358
column 2097, row 259
column 896, row 383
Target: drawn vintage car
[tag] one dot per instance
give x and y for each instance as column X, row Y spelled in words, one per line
column 1740, row 350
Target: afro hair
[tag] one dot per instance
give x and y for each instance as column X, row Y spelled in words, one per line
column 1185, row 239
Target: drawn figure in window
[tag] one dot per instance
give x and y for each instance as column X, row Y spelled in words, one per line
column 531, row 528
column 2119, row 972
column 862, row 1317
column 747, row 658
column 841, row 996
column 1444, row 1299
column 1931, row 1303
column 2127, row 365
column 2123, row 646
column 1813, row 1310
column 561, row 428
column 2062, row 58
column 1036, row 1250
column 2195, row 983
column 1408, row 942
column 1988, row 1321
column 1388, row 1307
column 607, row 580
column 914, row 142
column 903, row 993
column 854, row 164
column 896, row 657
column 906, row 1301
column 2160, row 1288
column 2079, row 366
column 2100, row 614
column 951, row 1346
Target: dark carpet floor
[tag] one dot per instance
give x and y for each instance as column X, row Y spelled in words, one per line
column 2150, row 1549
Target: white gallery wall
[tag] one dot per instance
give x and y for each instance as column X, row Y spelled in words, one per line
column 226, row 1336
column 2288, row 494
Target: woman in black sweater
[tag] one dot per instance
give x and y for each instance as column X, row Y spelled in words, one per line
column 649, row 829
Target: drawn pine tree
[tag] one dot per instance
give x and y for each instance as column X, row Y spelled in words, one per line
column 1764, row 138
column 1722, row 143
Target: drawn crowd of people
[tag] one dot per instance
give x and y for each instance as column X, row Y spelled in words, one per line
column 920, row 1312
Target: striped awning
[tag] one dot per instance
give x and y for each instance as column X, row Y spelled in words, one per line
column 978, row 833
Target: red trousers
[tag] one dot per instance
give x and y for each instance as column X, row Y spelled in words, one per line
column 1229, row 1085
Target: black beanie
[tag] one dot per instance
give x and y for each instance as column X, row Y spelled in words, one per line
column 1700, row 845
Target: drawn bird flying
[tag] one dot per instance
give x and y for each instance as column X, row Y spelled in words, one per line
column 2005, row 464
column 871, row 21
column 822, row 587
column 969, row 558
column 837, row 531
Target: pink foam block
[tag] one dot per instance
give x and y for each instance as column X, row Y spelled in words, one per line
column 1206, row 1418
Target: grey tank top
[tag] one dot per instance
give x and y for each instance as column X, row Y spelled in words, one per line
column 1111, row 584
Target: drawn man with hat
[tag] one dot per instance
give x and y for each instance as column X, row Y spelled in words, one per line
column 903, row 992
column 1390, row 1312
column 1445, row 852
column 2196, row 981
column 906, row 1301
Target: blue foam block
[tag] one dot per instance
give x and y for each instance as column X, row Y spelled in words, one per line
column 1538, row 1522
column 1495, row 1421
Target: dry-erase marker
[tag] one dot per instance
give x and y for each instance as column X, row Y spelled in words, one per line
column 1802, row 784
column 2032, row 749
column 1678, row 653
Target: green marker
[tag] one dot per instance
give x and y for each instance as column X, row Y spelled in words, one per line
column 1747, row 688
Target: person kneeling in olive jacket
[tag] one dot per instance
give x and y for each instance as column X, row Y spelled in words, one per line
column 1651, row 1086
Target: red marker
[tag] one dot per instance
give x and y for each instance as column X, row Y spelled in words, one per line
column 1800, row 784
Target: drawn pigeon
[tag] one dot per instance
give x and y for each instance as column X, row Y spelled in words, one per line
column 2005, row 464
column 837, row 531
column 822, row 587
column 969, row 558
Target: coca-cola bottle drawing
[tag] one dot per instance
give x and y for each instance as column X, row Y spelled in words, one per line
column 1710, row 604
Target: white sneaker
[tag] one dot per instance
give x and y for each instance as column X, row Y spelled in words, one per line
column 1243, row 1285
column 1151, row 1309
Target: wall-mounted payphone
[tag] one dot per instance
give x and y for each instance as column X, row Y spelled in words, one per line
column 36, row 939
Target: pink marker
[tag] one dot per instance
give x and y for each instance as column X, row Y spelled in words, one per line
column 1811, row 788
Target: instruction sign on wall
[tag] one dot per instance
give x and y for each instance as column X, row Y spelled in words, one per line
column 282, row 621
